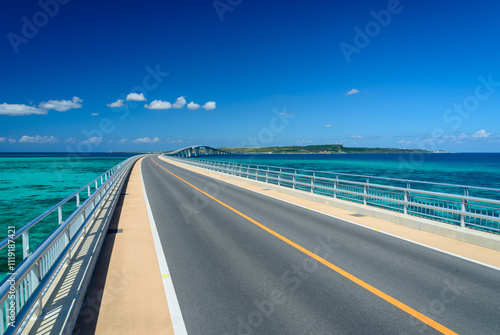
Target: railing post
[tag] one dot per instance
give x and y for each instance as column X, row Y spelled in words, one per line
column 88, row 189
column 77, row 200
column 294, row 179
column 405, row 210
column 267, row 175
column 462, row 216
column 26, row 244
column 59, row 213
column 406, row 197
column 464, row 208
column 312, row 182
column 68, row 236
column 365, row 190
column 279, row 178
column 38, row 274
column 85, row 227
column 335, row 186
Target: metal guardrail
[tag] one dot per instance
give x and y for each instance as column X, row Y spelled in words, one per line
column 22, row 291
column 459, row 209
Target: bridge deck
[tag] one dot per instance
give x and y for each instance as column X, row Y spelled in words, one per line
column 116, row 312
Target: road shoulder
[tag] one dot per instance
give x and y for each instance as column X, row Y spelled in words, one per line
column 126, row 295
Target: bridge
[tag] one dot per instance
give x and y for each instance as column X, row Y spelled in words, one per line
column 195, row 151
column 175, row 246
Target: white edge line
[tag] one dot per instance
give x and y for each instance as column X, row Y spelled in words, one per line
column 67, row 316
column 173, row 303
column 359, row 224
column 85, row 273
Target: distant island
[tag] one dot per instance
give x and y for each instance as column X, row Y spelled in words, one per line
column 322, row 149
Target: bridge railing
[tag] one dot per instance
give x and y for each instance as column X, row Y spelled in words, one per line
column 21, row 292
column 194, row 151
column 451, row 203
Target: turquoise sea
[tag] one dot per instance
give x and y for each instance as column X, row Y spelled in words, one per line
column 31, row 183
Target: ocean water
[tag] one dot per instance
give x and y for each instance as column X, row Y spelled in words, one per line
column 32, row 183
column 474, row 169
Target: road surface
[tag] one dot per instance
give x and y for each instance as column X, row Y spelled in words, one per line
column 246, row 263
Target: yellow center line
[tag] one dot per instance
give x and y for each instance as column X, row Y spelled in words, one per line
column 425, row 319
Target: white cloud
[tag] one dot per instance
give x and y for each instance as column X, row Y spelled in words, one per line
column 356, row 137
column 328, row 126
column 353, row 91
column 481, row 134
column 302, row 142
column 209, row 105
column 118, row 103
column 12, row 141
column 93, row 140
column 94, row 114
column 142, row 140
column 168, row 140
column 458, row 136
column 123, row 140
column 62, row 105
column 135, row 97
column 38, row 139
column 180, row 102
column 146, row 140
column 3, row 139
column 70, row 140
column 158, row 104
column 193, row 106
column 17, row 109
column 452, row 138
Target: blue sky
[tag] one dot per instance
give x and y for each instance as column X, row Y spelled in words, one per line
column 408, row 74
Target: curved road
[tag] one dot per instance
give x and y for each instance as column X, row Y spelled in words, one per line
column 245, row 263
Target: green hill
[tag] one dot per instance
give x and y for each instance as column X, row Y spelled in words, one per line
column 320, row 149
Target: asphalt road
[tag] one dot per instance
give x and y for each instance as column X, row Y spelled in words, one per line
column 232, row 276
